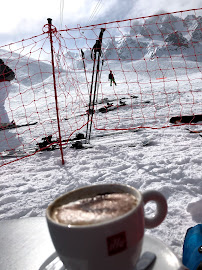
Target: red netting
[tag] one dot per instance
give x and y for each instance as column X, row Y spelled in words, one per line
column 156, row 63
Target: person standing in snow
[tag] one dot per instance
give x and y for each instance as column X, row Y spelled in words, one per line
column 6, row 76
column 111, row 78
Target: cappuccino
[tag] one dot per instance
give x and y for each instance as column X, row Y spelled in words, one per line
column 97, row 209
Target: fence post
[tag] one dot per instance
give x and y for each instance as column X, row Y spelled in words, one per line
column 55, row 90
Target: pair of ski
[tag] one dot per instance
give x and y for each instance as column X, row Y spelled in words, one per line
column 11, row 126
column 187, row 119
column 195, row 131
column 107, row 100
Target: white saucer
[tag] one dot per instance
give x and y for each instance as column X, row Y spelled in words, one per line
column 52, row 263
column 165, row 258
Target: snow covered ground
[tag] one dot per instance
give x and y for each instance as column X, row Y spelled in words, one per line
column 152, row 157
column 171, row 164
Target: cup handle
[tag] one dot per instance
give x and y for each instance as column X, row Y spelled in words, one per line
column 161, row 208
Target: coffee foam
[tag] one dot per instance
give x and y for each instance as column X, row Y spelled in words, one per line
column 98, row 209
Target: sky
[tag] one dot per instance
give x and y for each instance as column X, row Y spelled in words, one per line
column 25, row 19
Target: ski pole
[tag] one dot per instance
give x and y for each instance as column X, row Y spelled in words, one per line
column 90, row 96
column 99, row 80
column 84, row 66
column 96, row 48
column 94, row 94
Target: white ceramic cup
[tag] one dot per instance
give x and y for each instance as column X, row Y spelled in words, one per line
column 111, row 245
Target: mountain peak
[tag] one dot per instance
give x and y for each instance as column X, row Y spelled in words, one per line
column 176, row 38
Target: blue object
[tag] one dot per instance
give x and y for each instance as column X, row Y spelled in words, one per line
column 192, row 248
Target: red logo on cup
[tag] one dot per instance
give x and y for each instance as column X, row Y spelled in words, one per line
column 116, row 243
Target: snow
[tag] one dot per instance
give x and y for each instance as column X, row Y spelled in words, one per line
column 152, row 157
column 171, row 165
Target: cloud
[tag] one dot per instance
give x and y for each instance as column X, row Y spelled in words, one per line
column 144, row 8
column 26, row 19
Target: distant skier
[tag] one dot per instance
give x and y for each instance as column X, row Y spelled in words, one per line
column 6, row 75
column 83, row 59
column 111, row 78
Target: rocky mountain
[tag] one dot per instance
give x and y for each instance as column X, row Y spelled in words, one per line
column 197, row 33
column 157, row 36
column 124, row 48
column 158, row 27
column 176, row 39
